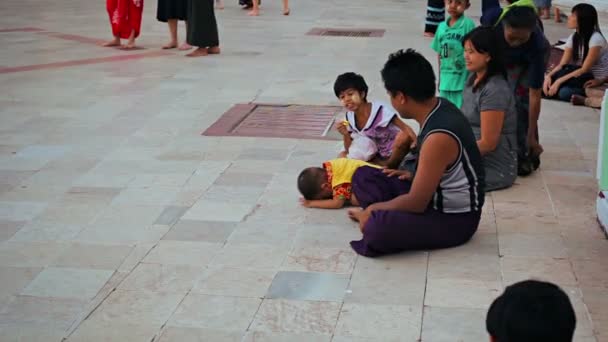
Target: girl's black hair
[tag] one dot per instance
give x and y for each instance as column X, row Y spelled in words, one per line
column 483, row 40
column 350, row 80
column 588, row 23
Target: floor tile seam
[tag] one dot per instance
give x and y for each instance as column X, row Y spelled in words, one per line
column 426, row 284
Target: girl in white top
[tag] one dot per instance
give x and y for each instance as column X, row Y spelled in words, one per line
column 585, row 56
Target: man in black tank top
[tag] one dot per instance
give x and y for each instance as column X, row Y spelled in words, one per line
column 437, row 203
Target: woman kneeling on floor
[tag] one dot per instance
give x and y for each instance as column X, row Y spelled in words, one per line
column 435, row 199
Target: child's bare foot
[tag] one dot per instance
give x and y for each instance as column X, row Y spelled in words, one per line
column 129, row 46
column 171, row 45
column 286, row 11
column 198, row 52
column 429, row 34
column 113, row 42
column 577, row 100
column 253, row 13
column 214, row 50
column 185, row 47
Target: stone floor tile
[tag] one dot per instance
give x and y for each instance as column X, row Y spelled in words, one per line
column 137, row 307
column 264, row 232
column 473, row 294
column 92, row 256
column 41, row 232
column 251, row 256
column 326, row 236
column 263, row 154
column 9, row 228
column 311, row 259
column 155, row 180
column 557, row 271
column 113, row 330
column 122, row 234
column 170, row 215
column 464, row 324
column 297, row 317
column 532, row 245
column 162, row 278
column 67, row 283
column 244, row 179
column 591, row 273
column 204, row 231
column 233, row 194
column 237, row 282
column 29, row 333
column 183, row 253
column 21, row 211
column 153, row 196
column 324, row 287
column 454, row 263
column 381, row 322
column 172, row 334
column 259, row 336
column 528, row 224
column 30, row 254
column 14, row 279
column 137, row 254
column 570, row 199
column 215, row 312
column 58, row 313
column 205, row 210
column 128, row 215
column 373, row 280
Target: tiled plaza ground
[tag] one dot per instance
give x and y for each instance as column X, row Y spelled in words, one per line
column 120, row 222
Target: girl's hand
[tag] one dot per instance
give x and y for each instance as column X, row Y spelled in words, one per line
column 342, row 128
column 547, row 85
column 554, row 88
column 401, row 174
column 593, row 83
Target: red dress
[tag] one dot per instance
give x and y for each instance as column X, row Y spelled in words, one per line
column 125, row 17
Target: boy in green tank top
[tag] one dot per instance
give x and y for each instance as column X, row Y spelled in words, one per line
column 448, row 44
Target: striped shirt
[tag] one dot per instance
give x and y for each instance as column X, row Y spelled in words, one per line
column 461, row 188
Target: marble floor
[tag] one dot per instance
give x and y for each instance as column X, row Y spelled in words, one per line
column 120, row 222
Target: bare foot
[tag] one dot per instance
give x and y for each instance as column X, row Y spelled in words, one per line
column 198, row 52
column 169, row 46
column 219, row 5
column 253, row 13
column 577, row 100
column 129, row 46
column 286, row 11
column 113, row 42
column 185, row 47
column 354, row 214
column 214, row 50
column 429, row 34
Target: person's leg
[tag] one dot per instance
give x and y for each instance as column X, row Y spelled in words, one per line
column 185, row 46
column 112, row 7
column 255, row 10
column 565, row 93
column 371, row 185
column 285, row 7
column 135, row 10
column 172, row 23
column 388, row 232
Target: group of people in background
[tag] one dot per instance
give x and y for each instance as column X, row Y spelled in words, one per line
column 199, row 16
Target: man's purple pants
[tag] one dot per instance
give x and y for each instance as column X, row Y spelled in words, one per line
column 394, row 231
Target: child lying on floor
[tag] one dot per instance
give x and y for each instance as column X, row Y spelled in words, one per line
column 370, row 128
column 329, row 187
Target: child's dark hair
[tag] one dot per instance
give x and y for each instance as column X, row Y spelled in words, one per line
column 410, row 73
column 310, row 182
column 483, row 40
column 350, row 80
column 531, row 311
column 521, row 17
column 588, row 24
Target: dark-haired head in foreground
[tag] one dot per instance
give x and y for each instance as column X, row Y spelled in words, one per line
column 531, row 311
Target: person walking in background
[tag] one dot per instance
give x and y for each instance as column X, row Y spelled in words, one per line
column 202, row 28
column 255, row 10
column 125, row 18
column 448, row 44
column 170, row 11
column 435, row 15
column 544, row 8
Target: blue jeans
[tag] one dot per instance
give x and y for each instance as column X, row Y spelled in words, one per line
column 565, row 93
